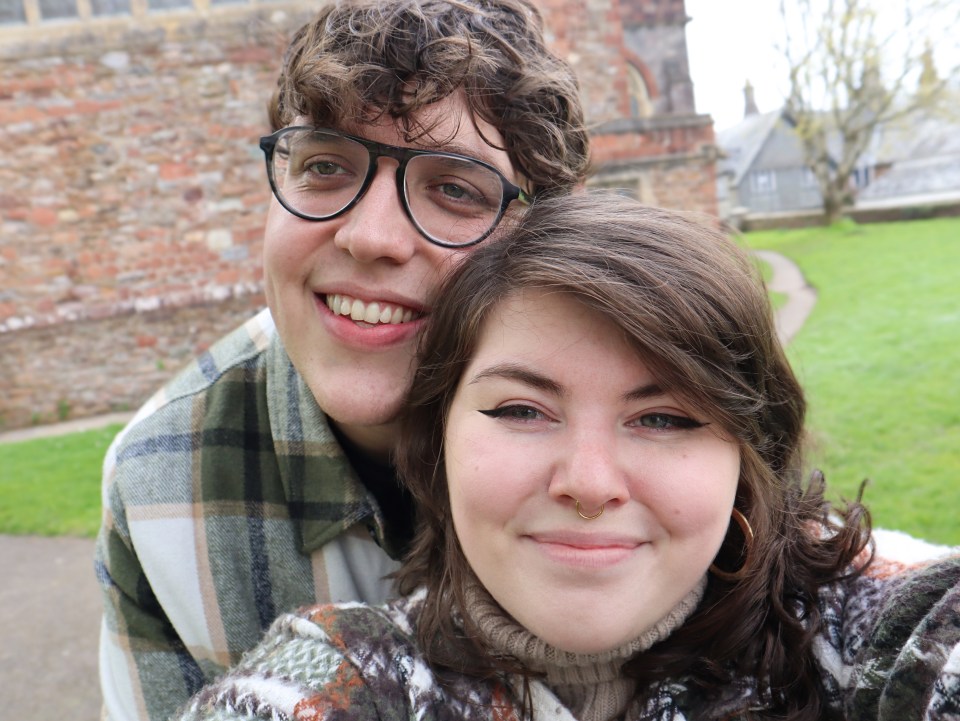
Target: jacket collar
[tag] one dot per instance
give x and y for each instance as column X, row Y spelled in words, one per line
column 323, row 492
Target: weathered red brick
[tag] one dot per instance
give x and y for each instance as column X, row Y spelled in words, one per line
column 173, row 171
column 42, row 217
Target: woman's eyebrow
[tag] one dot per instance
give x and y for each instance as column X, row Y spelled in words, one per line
column 644, row 392
column 520, row 374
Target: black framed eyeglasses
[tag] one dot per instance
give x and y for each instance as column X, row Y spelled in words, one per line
column 453, row 200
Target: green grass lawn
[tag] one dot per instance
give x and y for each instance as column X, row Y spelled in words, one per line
column 777, row 299
column 880, row 359
column 51, row 486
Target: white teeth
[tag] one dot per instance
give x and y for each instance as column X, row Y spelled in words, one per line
column 371, row 313
column 356, row 311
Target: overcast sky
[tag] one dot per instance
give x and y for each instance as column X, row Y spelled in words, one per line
column 729, row 42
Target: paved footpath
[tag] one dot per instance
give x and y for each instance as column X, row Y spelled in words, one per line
column 50, row 603
column 50, row 611
column 788, row 279
column 50, row 606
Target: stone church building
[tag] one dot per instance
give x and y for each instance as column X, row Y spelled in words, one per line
column 133, row 193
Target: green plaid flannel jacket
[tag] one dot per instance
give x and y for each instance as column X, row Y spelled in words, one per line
column 226, row 501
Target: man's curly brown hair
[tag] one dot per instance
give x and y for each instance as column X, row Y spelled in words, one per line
column 361, row 60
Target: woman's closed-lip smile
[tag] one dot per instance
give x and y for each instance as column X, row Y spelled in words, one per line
column 593, row 550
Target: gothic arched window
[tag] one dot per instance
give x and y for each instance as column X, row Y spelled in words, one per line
column 641, row 103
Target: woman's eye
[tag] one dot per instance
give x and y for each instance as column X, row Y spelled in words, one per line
column 666, row 422
column 515, row 413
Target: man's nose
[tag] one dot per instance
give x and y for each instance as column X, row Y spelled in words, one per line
column 377, row 228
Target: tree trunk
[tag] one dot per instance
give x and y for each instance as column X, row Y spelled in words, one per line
column 832, row 206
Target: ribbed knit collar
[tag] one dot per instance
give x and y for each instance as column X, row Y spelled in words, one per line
column 591, row 685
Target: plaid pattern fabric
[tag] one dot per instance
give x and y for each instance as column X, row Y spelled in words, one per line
column 889, row 650
column 227, row 501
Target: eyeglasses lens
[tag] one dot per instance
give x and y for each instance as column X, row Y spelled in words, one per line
column 453, row 200
column 318, row 174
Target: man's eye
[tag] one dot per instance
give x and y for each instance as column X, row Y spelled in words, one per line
column 325, row 167
column 452, row 190
column 515, row 412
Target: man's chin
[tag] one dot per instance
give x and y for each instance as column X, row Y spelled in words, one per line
column 375, row 435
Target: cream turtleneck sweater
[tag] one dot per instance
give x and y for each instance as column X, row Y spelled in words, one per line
column 592, row 686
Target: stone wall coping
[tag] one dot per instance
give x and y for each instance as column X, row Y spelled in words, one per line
column 622, row 126
column 89, row 36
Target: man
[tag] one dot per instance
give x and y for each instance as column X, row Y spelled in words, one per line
column 259, row 480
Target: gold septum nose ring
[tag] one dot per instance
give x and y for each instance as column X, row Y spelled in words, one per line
column 586, row 517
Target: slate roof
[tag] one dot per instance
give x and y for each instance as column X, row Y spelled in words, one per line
column 935, row 177
column 921, row 157
column 742, row 143
column 924, row 159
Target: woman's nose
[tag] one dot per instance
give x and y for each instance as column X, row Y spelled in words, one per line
column 592, row 472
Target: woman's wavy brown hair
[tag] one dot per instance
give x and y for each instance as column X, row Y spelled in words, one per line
column 692, row 304
column 360, row 60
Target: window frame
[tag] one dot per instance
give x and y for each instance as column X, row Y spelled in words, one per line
column 139, row 10
column 763, row 182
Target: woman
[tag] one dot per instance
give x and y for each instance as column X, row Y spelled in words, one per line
column 604, row 442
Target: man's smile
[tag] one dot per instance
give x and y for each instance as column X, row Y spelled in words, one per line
column 376, row 312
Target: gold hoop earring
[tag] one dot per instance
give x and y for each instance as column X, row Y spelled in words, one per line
column 590, row 518
column 748, row 542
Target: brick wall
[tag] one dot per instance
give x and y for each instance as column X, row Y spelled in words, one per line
column 130, row 178
column 668, row 159
column 132, row 190
column 665, row 161
column 589, row 35
column 84, row 368
column 132, row 204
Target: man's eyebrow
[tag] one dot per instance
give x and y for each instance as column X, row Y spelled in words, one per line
column 520, row 374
